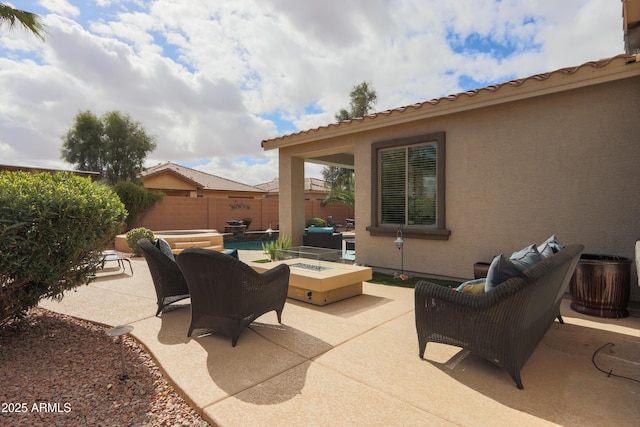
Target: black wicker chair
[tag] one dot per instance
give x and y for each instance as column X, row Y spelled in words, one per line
column 167, row 278
column 504, row 325
column 226, row 294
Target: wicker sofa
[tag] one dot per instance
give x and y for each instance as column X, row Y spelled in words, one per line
column 504, row 325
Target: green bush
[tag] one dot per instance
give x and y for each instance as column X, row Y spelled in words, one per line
column 270, row 248
column 136, row 234
column 247, row 221
column 137, row 199
column 315, row 222
column 52, row 230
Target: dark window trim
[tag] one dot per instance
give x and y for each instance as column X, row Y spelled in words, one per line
column 439, row 231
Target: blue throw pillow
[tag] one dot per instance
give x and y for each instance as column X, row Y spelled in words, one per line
column 550, row 247
column 501, row 269
column 165, row 248
column 526, row 257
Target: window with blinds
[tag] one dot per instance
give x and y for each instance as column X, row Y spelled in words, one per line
column 408, row 186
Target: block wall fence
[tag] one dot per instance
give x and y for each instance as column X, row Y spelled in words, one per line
column 186, row 213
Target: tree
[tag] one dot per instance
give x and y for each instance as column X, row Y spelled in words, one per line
column 28, row 20
column 114, row 145
column 340, row 180
column 363, row 98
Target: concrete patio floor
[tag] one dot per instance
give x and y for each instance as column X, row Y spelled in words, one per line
column 355, row 363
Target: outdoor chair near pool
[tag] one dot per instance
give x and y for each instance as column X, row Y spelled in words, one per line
column 226, row 294
column 167, row 278
column 332, row 223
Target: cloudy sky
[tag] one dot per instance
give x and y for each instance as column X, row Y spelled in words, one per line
column 211, row 79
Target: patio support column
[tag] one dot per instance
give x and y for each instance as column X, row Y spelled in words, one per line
column 291, row 195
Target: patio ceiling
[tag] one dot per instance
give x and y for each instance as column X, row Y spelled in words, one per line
column 341, row 160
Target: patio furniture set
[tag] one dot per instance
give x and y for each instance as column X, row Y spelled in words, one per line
column 226, row 294
column 503, row 325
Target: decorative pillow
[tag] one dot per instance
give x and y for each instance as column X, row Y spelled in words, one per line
column 501, row 269
column 165, row 248
column 320, row 230
column 231, row 252
column 473, row 286
column 550, row 247
column 526, row 257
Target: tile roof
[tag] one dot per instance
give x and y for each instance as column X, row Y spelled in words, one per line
column 467, row 94
column 202, row 180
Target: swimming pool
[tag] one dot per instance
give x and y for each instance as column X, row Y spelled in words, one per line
column 247, row 245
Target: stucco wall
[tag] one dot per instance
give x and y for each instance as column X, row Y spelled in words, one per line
column 565, row 164
column 189, row 213
column 167, row 180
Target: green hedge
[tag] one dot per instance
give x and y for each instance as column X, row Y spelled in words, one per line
column 52, row 230
column 316, row 222
column 137, row 199
column 136, row 234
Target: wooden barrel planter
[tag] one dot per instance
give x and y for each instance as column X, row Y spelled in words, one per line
column 480, row 269
column 601, row 285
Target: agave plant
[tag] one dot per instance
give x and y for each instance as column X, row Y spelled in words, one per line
column 272, row 247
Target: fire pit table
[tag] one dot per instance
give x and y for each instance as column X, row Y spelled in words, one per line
column 320, row 282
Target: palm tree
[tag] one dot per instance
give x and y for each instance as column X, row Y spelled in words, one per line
column 343, row 194
column 30, row 21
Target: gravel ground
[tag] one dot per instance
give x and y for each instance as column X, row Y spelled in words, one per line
column 59, row 371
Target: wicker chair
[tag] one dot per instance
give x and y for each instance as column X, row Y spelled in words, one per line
column 226, row 294
column 504, row 325
column 167, row 277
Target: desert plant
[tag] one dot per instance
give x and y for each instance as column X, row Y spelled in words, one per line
column 137, row 199
column 315, row 222
column 53, row 228
column 136, row 234
column 271, row 247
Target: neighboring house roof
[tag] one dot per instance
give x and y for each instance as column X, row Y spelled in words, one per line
column 538, row 84
column 201, row 180
column 310, row 184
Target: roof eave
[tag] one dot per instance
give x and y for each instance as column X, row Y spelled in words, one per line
column 561, row 80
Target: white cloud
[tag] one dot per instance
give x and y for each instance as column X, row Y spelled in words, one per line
column 61, row 7
column 204, row 76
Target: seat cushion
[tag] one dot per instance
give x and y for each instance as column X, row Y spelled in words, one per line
column 231, row 252
column 473, row 286
column 311, row 230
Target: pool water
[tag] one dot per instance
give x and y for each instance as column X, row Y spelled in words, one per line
column 247, row 245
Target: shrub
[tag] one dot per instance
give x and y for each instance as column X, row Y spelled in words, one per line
column 270, row 248
column 136, row 234
column 247, row 221
column 137, row 199
column 52, row 230
column 315, row 222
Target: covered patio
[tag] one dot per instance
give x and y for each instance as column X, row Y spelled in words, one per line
column 355, row 362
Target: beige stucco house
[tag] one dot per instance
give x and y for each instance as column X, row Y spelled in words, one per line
column 555, row 153
column 314, row 189
column 177, row 180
